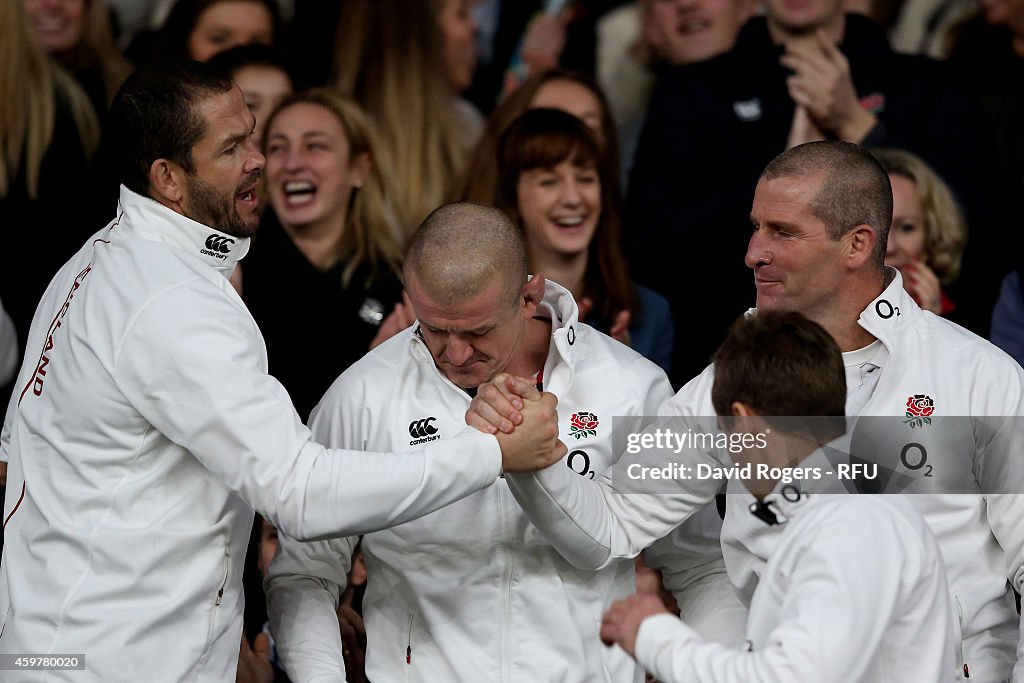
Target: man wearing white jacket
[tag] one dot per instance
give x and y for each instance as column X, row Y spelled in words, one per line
column 144, row 428
column 821, row 215
column 853, row 589
column 472, row 592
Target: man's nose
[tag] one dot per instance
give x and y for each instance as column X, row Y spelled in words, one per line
column 457, row 351
column 757, row 250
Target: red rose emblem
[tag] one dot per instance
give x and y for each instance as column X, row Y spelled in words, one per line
column 583, row 424
column 920, row 405
column 919, row 410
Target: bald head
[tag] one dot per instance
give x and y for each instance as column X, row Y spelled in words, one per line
column 461, row 249
column 855, row 189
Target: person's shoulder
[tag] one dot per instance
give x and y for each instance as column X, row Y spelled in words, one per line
column 694, row 399
column 596, row 348
column 960, row 344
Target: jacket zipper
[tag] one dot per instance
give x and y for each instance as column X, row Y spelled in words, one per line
column 506, row 584
column 216, row 603
column 408, row 646
column 960, row 613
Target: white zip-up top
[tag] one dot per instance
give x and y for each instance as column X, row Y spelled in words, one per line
column 143, row 431
column 981, row 535
column 472, row 592
column 853, row 591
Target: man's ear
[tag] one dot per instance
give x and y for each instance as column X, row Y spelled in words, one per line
column 532, row 294
column 167, row 182
column 862, row 240
column 741, row 409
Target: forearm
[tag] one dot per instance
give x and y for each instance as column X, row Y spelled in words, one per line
column 341, row 493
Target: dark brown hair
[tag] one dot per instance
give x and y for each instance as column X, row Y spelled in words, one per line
column 544, row 138
column 481, row 181
column 780, row 364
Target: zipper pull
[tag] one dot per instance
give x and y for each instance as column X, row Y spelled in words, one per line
column 408, row 655
column 967, row 672
column 220, row 596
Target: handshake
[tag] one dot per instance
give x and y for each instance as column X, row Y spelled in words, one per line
column 524, row 420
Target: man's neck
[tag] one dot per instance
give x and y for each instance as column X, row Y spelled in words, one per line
column 533, row 352
column 841, row 320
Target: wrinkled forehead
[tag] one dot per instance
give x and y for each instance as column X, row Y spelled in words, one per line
column 472, row 311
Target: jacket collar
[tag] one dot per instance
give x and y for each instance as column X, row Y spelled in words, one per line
column 787, row 500
column 891, row 312
column 558, row 305
column 148, row 219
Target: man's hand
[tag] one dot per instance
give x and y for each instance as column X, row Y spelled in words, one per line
column 497, row 405
column 353, row 643
column 254, row 662
column 524, row 419
column 821, row 82
column 622, row 620
column 802, row 129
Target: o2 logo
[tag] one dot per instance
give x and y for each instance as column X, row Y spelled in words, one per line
column 914, row 457
column 579, row 462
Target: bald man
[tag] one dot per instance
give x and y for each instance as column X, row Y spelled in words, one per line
column 473, row 592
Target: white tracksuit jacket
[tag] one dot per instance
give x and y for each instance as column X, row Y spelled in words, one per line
column 143, row 432
column 853, row 592
column 981, row 535
column 472, row 592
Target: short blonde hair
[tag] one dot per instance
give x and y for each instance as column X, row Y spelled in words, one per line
column 945, row 230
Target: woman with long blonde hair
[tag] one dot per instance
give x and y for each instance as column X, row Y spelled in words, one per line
column 48, row 133
column 390, row 57
column 78, row 35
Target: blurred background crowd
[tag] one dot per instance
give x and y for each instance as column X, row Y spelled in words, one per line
column 624, row 137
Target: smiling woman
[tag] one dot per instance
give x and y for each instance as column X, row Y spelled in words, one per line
column 556, row 182
column 328, row 244
column 78, row 35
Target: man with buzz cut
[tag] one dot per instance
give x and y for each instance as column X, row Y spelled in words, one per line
column 473, row 592
column 820, row 216
column 854, row 588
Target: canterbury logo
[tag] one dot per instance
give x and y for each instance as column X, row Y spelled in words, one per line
column 219, row 243
column 420, row 428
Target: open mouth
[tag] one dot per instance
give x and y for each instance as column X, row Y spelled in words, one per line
column 299, row 192
column 691, row 26
column 568, row 222
column 247, row 196
column 52, row 26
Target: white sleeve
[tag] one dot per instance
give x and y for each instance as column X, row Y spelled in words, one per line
column 693, row 569
column 190, row 366
column 303, row 585
column 594, row 522
column 1000, row 471
column 306, row 578
column 839, row 600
